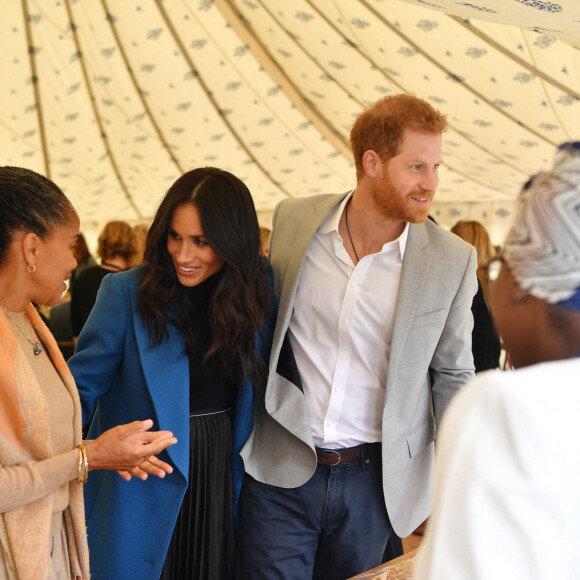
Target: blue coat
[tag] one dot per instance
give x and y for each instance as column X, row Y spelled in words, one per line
column 130, row 523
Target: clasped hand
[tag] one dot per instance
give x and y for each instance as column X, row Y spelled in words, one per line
column 130, row 449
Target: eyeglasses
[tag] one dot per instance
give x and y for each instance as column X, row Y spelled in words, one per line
column 493, row 267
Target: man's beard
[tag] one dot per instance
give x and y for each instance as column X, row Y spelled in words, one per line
column 392, row 204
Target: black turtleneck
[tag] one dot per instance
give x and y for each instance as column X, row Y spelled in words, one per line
column 210, row 389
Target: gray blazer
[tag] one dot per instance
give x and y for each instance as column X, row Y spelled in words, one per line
column 430, row 360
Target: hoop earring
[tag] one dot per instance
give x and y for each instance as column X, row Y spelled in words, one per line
column 31, row 268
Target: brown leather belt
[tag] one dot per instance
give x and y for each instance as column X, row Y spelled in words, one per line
column 332, row 457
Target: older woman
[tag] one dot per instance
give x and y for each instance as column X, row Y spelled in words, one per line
column 181, row 338
column 507, row 495
column 42, row 457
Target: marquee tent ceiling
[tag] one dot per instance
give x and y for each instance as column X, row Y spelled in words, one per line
column 114, row 99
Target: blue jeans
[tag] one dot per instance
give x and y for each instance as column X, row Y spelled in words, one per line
column 331, row 528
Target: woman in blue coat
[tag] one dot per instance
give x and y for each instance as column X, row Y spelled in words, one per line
column 182, row 339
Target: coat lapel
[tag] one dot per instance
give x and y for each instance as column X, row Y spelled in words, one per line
column 166, row 372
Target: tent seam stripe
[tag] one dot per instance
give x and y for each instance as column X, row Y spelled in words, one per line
column 519, row 60
column 447, row 71
column 35, row 81
column 393, row 81
column 212, row 100
column 243, row 27
column 96, row 113
column 141, row 97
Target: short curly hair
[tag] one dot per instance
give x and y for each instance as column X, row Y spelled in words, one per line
column 117, row 239
column 381, row 126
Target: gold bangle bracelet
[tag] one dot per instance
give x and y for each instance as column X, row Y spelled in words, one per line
column 83, row 474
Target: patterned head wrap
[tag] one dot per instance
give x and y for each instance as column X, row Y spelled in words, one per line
column 542, row 248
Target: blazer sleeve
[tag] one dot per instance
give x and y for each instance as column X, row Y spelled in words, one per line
column 452, row 362
column 99, row 350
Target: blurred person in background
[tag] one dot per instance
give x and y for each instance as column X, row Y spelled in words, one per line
column 59, row 317
column 265, row 240
column 83, row 257
column 507, row 485
column 485, row 343
column 118, row 250
column 141, row 235
column 60, row 326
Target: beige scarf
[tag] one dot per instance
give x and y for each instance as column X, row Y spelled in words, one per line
column 25, row 436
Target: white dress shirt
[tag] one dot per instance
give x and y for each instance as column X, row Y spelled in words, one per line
column 341, row 330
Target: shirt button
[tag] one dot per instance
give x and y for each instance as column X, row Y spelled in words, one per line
column 354, row 284
column 342, row 354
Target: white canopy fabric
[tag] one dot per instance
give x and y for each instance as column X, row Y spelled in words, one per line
column 114, row 99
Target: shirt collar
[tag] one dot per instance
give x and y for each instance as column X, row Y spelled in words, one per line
column 330, row 225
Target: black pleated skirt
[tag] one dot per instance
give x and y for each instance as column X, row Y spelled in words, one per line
column 203, row 543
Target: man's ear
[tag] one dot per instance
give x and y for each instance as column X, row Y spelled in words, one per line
column 372, row 163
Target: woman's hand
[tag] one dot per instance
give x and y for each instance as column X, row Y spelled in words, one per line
column 151, row 466
column 126, row 448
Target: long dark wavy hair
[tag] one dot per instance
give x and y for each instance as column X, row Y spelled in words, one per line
column 239, row 304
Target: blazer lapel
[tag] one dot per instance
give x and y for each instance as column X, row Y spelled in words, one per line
column 298, row 246
column 284, row 398
column 166, row 372
column 416, row 262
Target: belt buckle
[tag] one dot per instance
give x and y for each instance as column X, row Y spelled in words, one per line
column 328, row 452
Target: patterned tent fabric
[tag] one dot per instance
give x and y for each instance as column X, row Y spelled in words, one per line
column 114, row 99
column 557, row 19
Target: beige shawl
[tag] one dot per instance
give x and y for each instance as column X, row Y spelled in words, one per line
column 25, row 436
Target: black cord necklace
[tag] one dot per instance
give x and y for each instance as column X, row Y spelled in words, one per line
column 348, row 230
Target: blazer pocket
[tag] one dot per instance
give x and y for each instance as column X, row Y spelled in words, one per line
column 421, row 437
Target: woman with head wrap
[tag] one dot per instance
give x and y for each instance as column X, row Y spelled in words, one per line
column 507, row 493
